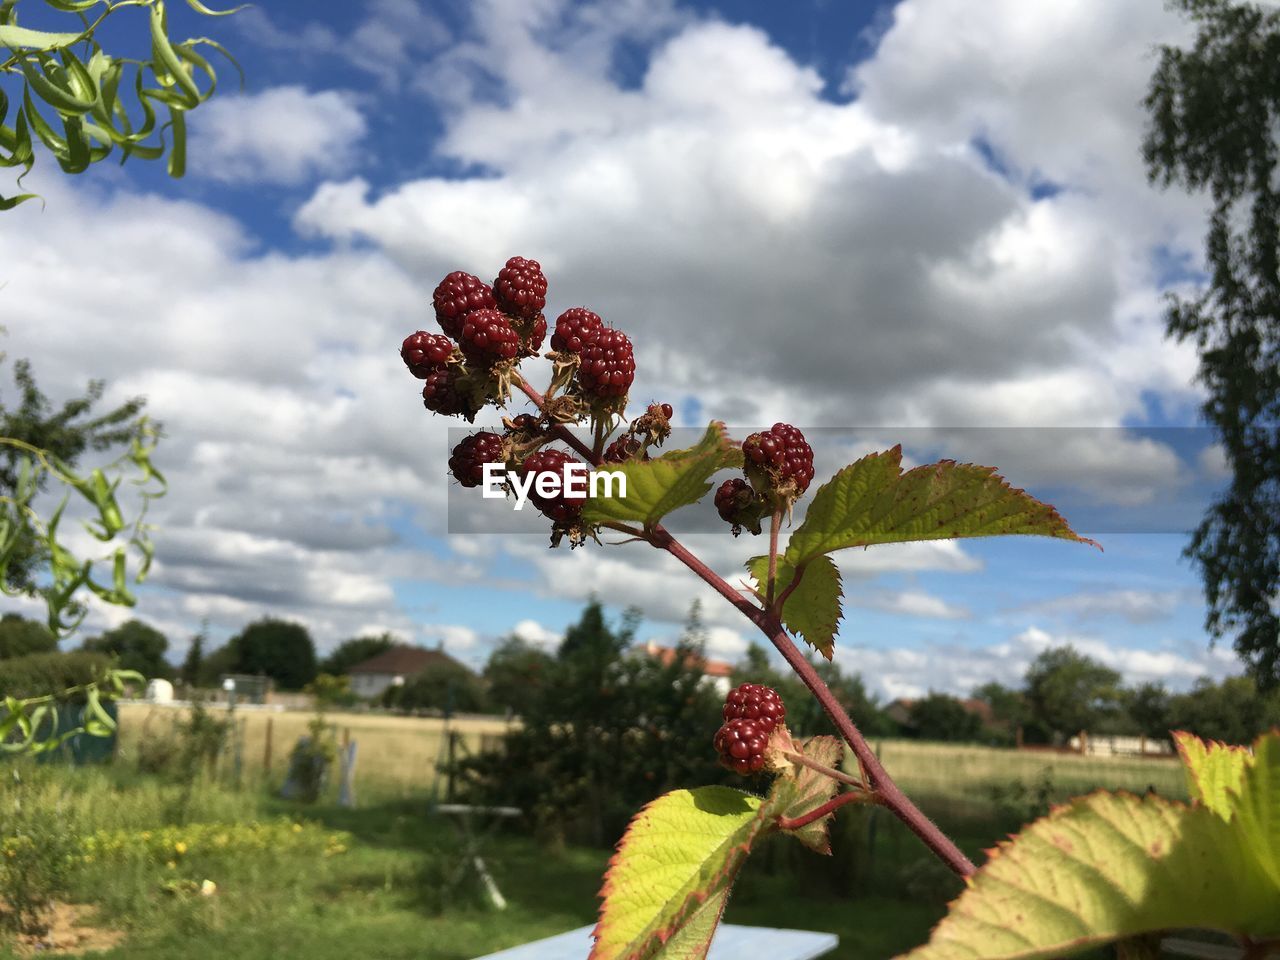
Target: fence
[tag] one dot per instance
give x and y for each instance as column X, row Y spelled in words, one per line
column 1115, row 746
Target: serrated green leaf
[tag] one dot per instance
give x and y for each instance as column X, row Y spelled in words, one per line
column 1257, row 807
column 793, row 797
column 1215, row 771
column 679, row 853
column 873, row 501
column 1104, row 867
column 657, row 487
column 812, row 609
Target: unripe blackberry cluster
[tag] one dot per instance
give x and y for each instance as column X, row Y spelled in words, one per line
column 751, row 711
column 778, row 464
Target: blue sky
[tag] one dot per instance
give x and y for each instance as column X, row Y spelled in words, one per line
column 872, row 221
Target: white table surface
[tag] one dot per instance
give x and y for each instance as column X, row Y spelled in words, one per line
column 731, row 941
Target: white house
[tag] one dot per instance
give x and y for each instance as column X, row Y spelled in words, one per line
column 393, row 667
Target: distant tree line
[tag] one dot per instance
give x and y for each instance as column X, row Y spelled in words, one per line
column 1063, row 691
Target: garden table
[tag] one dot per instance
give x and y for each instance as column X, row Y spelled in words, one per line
column 731, row 942
column 464, row 812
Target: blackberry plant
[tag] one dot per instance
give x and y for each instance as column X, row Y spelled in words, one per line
column 1105, row 868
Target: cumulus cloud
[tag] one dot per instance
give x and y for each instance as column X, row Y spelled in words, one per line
column 534, row 633
column 1131, row 606
column 913, row 603
column 284, row 135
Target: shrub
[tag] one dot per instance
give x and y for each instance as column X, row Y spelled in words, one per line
column 42, row 674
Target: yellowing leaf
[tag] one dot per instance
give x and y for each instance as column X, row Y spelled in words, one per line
column 667, row 882
column 1215, row 771
column 1105, row 867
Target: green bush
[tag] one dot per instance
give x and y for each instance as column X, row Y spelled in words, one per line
column 41, row 674
column 38, row 850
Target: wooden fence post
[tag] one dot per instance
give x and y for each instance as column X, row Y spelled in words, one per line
column 266, row 751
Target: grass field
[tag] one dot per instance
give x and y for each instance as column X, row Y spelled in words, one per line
column 396, row 756
column 371, row 881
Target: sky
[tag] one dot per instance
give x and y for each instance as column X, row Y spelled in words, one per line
column 925, row 222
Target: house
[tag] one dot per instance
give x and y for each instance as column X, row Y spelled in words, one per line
column 394, row 668
column 715, row 673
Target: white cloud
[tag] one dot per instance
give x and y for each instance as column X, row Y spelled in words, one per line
column 913, row 603
column 283, row 135
column 532, row 632
column 1132, row 606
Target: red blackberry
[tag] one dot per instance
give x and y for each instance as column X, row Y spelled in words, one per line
column 536, row 333
column 755, row 701
column 608, row 365
column 440, row 393
column 664, row 408
column 523, row 423
column 469, row 457
column 782, row 453
column 741, row 744
column 575, row 328
column 560, row 507
column 622, row 450
column 458, row 294
column 422, row 352
column 739, row 505
column 521, row 289
column 487, row 337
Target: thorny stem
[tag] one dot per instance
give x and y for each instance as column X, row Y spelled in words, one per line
column 767, row 622
column 825, row 810
column 891, row 794
column 774, row 526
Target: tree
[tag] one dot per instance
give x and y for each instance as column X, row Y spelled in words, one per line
column 442, row 685
column 137, row 646
column 1070, row 692
column 65, row 432
column 1233, row 711
column 20, row 636
column 194, row 660
column 940, row 717
column 214, row 665
column 1213, row 112
column 1008, row 706
column 69, row 75
column 1147, row 707
column 356, row 650
column 516, row 673
column 278, row 649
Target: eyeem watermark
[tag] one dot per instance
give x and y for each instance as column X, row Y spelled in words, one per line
column 575, row 482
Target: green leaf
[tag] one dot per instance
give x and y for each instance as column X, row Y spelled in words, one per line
column 873, row 501
column 1215, row 772
column 793, row 797
column 657, row 487
column 1258, row 808
column 672, row 871
column 167, row 58
column 1105, row 867
column 812, row 609
column 16, row 38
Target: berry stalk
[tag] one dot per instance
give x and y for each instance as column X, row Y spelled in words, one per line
column 891, row 794
column 826, row 809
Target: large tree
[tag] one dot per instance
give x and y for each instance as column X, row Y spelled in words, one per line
column 1214, row 112
column 1069, row 691
column 275, row 648
column 137, row 646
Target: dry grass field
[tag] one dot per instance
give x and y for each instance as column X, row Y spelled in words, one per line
column 959, row 779
column 394, row 755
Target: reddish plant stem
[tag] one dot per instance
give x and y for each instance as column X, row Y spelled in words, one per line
column 817, row 813
column 891, row 795
column 767, row 621
column 559, row 429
